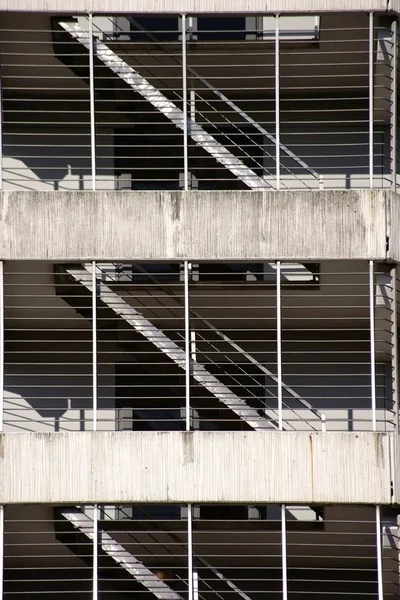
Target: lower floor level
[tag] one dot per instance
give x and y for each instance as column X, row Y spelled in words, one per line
column 204, row 552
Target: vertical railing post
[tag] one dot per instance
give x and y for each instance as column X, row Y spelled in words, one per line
column 95, row 569
column 185, row 105
column 191, row 35
column 277, row 105
column 279, row 341
column 195, row 584
column 1, row 551
column 94, row 346
column 372, row 341
column 190, row 552
column 188, row 421
column 92, row 115
column 94, row 298
column 394, row 343
column 187, row 347
column 371, row 100
column 284, row 553
column 379, row 566
column 94, row 409
column 393, row 104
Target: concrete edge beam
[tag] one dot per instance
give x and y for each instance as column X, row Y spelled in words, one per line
column 196, row 467
column 245, row 225
column 200, row 6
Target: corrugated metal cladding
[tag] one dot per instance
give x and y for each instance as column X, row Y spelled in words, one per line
column 259, row 467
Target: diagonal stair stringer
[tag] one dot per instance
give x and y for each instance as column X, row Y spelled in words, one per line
column 171, row 349
column 157, row 99
column 121, row 556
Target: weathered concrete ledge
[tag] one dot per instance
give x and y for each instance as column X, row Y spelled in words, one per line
column 264, row 225
column 252, row 467
column 200, row 6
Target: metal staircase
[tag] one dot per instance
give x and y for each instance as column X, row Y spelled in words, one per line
column 83, row 523
column 240, row 407
column 122, row 557
column 173, row 113
column 161, row 590
column 168, row 108
column 212, row 379
column 243, row 362
column 232, row 105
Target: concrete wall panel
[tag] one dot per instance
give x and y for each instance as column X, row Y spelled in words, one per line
column 233, row 467
column 199, row 6
column 194, row 225
column 393, row 232
column 395, row 457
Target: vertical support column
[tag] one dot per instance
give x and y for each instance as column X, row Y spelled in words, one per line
column 277, row 105
column 1, row 346
column 284, row 553
column 1, row 133
column 279, row 341
column 379, row 566
column 1, row 349
column 185, row 105
column 92, row 116
column 1, row 416
column 393, row 103
column 393, row 328
column 371, row 100
column 372, row 341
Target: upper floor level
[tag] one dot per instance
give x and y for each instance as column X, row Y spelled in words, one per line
column 199, row 100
